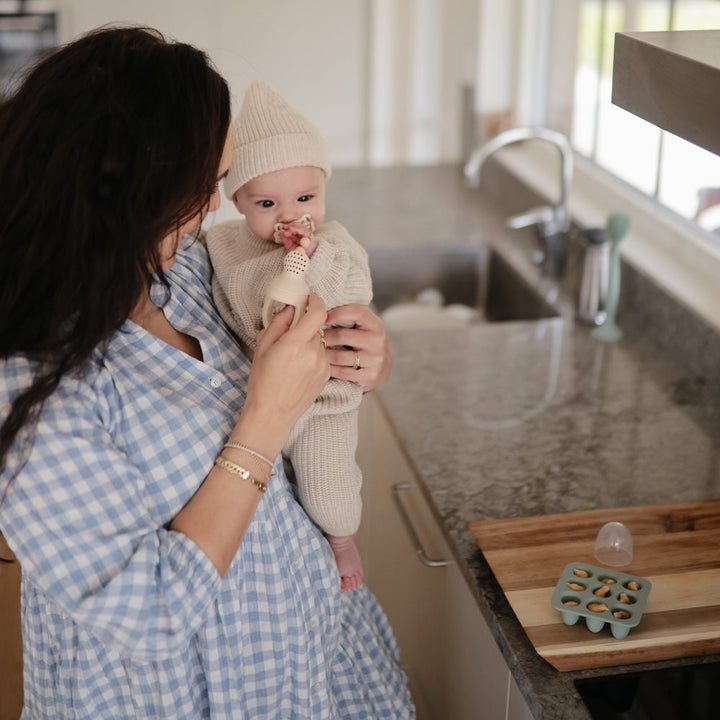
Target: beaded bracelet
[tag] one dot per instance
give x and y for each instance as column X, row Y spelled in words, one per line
column 250, row 451
column 240, row 471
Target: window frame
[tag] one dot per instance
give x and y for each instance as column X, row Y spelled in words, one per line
column 675, row 252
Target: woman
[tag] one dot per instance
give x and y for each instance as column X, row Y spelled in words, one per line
column 168, row 571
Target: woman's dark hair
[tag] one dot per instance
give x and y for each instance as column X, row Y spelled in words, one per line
column 110, row 143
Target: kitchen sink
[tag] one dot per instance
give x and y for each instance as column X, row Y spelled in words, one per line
column 690, row 692
column 457, row 277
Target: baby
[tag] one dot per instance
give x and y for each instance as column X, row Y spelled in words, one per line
column 277, row 182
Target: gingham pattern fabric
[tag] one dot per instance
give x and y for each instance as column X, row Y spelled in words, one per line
column 123, row 618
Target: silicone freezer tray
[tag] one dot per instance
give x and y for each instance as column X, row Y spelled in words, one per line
column 601, row 595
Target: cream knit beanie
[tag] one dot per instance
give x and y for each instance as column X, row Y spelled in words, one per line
column 271, row 135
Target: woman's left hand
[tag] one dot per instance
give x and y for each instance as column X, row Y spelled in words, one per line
column 369, row 361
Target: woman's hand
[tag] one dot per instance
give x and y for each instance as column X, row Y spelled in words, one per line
column 288, row 372
column 370, row 347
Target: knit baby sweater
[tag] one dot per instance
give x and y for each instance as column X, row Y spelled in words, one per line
column 323, row 442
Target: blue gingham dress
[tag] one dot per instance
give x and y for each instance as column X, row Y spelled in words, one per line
column 123, row 618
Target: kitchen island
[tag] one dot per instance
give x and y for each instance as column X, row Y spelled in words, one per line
column 522, row 418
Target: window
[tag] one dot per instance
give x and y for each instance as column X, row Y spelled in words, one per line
column 676, row 173
column 23, row 37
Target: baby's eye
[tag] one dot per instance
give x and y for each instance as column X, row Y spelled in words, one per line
column 305, row 198
column 266, row 203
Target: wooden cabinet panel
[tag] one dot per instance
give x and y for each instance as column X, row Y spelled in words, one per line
column 11, row 692
column 455, row 667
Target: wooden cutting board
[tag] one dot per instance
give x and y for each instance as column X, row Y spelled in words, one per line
column 677, row 546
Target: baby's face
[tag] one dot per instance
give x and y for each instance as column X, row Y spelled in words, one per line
column 281, row 197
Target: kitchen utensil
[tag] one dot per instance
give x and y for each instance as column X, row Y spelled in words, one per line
column 592, row 298
column 602, row 597
column 288, row 288
column 616, row 227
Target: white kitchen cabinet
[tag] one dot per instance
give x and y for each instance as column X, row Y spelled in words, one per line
column 455, row 667
column 517, row 707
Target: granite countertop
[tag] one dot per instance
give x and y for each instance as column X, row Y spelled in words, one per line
column 526, row 418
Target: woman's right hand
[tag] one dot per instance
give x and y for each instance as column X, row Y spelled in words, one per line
column 289, row 370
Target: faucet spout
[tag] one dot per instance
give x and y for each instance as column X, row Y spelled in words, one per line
column 553, row 223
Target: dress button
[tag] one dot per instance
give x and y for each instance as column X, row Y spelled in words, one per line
column 215, row 382
column 297, row 563
column 313, row 624
column 317, row 687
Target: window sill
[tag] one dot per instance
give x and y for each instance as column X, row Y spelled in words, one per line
column 676, row 254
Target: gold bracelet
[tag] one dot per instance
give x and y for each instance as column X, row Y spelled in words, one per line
column 255, row 453
column 234, row 469
column 257, row 467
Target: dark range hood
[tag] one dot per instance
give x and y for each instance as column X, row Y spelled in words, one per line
column 671, row 79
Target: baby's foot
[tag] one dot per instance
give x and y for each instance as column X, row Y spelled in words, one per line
column 348, row 561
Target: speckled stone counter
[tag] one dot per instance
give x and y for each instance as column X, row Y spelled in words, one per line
column 525, row 418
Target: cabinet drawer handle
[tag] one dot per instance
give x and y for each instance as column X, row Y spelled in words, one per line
column 419, row 549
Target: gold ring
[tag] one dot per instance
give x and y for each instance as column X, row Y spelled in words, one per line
column 356, row 365
column 321, row 333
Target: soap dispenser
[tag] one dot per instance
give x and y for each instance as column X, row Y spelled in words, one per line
column 592, row 298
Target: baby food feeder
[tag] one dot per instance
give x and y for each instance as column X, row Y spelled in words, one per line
column 289, row 287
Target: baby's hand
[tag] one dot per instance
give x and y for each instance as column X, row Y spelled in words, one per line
column 298, row 233
column 292, row 235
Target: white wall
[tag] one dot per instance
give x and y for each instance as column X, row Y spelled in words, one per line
column 312, row 52
column 421, row 55
column 382, row 79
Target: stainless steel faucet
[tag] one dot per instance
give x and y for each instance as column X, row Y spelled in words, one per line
column 553, row 223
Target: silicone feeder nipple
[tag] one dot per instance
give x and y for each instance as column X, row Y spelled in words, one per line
column 288, row 288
